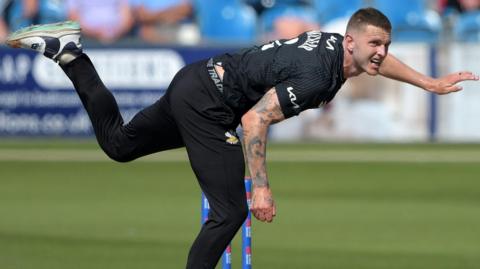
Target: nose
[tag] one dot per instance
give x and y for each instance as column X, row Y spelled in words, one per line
column 382, row 50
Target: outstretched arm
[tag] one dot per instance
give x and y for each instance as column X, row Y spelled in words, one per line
column 395, row 69
column 255, row 125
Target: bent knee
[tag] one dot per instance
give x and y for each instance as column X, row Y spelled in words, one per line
column 121, row 158
column 119, row 155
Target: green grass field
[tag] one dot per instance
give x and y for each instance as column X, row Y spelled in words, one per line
column 64, row 205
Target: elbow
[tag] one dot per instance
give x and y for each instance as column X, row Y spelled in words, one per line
column 247, row 118
column 252, row 118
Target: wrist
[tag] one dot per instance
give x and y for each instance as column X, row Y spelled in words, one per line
column 261, row 187
column 428, row 84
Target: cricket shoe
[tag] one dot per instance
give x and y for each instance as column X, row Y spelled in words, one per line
column 57, row 41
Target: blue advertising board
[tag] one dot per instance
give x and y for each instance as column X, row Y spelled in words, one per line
column 37, row 99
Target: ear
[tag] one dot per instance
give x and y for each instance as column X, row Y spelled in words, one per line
column 350, row 43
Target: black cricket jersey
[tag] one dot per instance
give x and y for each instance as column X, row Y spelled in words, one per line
column 306, row 71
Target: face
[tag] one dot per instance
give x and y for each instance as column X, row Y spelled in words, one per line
column 369, row 47
column 470, row 4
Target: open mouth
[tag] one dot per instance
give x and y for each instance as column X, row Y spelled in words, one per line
column 376, row 62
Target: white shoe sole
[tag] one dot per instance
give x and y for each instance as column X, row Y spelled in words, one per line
column 55, row 30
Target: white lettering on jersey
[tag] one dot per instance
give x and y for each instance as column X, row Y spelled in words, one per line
column 279, row 43
column 291, row 41
column 293, row 97
column 313, row 37
column 268, row 46
column 331, row 40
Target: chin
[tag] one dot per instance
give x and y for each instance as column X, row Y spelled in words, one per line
column 371, row 69
column 372, row 72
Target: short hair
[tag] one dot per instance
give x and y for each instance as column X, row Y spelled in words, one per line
column 368, row 16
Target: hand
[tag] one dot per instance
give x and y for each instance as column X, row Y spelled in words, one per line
column 446, row 84
column 263, row 206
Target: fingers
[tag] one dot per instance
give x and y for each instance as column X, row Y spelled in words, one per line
column 466, row 75
column 448, row 83
column 450, row 89
column 263, row 206
column 265, row 214
column 262, row 215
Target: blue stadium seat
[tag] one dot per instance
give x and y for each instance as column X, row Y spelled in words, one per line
column 328, row 10
column 226, row 21
column 467, row 27
column 411, row 21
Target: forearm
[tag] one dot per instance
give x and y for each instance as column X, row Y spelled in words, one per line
column 255, row 140
column 126, row 21
column 170, row 15
column 30, row 8
column 255, row 125
column 393, row 68
column 177, row 13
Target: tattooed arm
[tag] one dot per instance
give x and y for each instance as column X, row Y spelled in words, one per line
column 255, row 125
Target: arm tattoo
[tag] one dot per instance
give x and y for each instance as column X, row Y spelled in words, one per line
column 268, row 108
column 267, row 111
column 260, row 180
column 256, row 151
column 257, row 145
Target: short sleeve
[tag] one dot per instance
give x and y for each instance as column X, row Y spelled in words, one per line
column 298, row 94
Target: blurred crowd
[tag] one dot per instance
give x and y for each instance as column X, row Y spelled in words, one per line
column 193, row 22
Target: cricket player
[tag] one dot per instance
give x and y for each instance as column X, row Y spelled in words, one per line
column 207, row 100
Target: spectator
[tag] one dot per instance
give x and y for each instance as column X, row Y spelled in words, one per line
column 102, row 20
column 458, row 6
column 460, row 19
column 3, row 23
column 262, row 5
column 3, row 30
column 22, row 13
column 161, row 21
column 285, row 19
column 470, row 5
column 287, row 27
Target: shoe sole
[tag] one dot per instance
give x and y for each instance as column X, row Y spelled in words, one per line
column 51, row 30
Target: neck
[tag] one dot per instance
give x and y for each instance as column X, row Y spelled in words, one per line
column 349, row 67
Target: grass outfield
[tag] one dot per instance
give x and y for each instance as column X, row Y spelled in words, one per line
column 64, row 205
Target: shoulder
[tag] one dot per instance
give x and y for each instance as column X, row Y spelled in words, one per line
column 330, row 51
column 332, row 42
column 323, row 44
